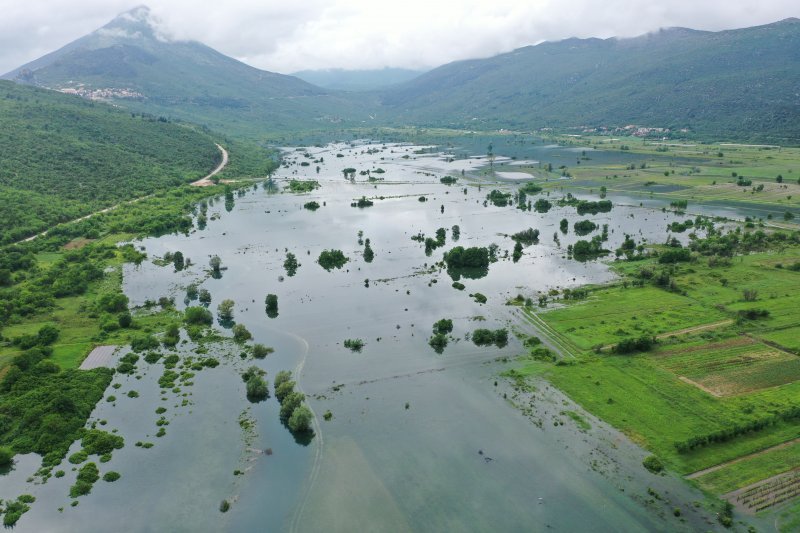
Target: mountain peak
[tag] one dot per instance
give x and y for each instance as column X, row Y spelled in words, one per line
column 135, row 23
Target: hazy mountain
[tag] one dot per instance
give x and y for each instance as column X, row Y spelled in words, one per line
column 128, row 61
column 738, row 83
column 732, row 84
column 357, row 80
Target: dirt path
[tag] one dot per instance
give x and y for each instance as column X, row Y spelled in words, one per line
column 206, row 180
column 684, row 331
column 202, row 182
column 714, row 468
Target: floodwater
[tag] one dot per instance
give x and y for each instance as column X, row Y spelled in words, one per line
column 417, row 441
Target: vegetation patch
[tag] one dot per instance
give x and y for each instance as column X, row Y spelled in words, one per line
column 330, row 259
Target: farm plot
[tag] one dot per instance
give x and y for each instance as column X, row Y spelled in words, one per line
column 614, row 313
column 788, row 338
column 768, row 493
column 732, row 367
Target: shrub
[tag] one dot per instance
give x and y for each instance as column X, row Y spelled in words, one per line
column 444, row 325
column 355, row 345
column 225, row 310
column 460, row 257
column 485, row 337
column 198, row 315
column 141, row 343
column 653, row 464
column 241, row 333
column 300, row 421
column 526, row 237
column 584, row 227
column 260, row 351
column 284, row 389
column 676, row 255
column 290, row 403
column 329, row 259
column 438, row 342
column 6, row 456
column 257, row 388
column 111, row 477
column 271, row 302
column 282, row 377
column 641, row 344
column 125, row 320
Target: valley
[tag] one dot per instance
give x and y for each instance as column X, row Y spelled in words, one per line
column 555, row 288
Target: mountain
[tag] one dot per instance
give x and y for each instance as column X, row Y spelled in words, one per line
column 736, row 84
column 64, row 157
column 131, row 63
column 357, row 80
column 742, row 83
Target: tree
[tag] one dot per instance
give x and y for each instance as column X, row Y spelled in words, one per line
column 256, row 388
column 443, row 326
column 241, row 333
column 47, row 335
column 125, row 320
column 177, row 260
column 225, row 310
column 198, row 315
column 284, row 389
column 6, row 456
column 271, row 302
column 260, row 351
column 215, row 262
column 369, row 255
column 290, row 264
column 205, row 297
column 329, row 259
column 291, row 402
column 300, row 421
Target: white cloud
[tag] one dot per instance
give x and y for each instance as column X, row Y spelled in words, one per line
column 288, row 36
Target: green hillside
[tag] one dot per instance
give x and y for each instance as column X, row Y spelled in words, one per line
column 742, row 84
column 63, row 157
column 129, row 63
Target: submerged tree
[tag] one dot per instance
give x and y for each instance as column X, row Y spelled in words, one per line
column 271, row 303
column 225, row 310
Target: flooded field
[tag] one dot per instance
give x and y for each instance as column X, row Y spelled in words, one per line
column 414, row 439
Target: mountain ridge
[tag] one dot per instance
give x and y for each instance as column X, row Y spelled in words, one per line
column 740, row 84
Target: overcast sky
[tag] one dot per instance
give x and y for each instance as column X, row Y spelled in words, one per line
column 290, row 35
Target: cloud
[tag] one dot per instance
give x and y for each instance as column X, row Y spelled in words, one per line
column 289, row 36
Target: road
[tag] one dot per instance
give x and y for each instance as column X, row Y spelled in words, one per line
column 202, row 182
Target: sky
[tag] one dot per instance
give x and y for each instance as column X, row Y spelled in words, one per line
column 288, row 36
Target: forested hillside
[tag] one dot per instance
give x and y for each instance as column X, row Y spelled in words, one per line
column 128, row 62
column 737, row 84
column 62, row 157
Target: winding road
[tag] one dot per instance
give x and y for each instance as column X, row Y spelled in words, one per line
column 202, row 182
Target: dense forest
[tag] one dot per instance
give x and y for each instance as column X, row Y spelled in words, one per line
column 63, row 157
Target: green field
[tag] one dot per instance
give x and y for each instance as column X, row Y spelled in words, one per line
column 734, row 366
column 751, row 469
column 710, row 371
column 690, row 171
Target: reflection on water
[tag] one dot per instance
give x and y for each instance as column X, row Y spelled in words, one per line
column 416, row 440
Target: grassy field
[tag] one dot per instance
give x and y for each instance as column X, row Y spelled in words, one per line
column 698, row 380
column 751, row 469
column 648, row 310
column 79, row 327
column 688, row 171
